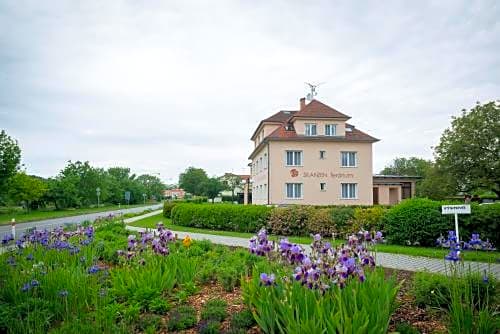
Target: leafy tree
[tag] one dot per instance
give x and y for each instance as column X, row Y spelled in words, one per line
column 434, row 182
column 212, row 187
column 153, row 187
column 25, row 189
column 193, row 180
column 412, row 166
column 86, row 179
column 231, row 182
column 470, row 149
column 10, row 158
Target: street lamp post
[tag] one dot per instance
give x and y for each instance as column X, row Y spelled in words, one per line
column 98, row 192
column 144, row 197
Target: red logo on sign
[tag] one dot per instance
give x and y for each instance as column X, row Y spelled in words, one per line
column 294, row 172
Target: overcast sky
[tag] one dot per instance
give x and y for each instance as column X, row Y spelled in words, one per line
column 161, row 85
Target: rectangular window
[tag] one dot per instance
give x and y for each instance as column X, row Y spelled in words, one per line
column 349, row 159
column 294, row 158
column 349, row 190
column 294, row 190
column 260, row 164
column 322, row 186
column 265, row 161
column 330, row 129
column 322, row 154
column 310, row 129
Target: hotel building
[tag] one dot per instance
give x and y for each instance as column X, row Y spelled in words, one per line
column 313, row 156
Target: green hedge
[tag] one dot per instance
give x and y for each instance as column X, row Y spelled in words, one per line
column 413, row 221
column 230, row 217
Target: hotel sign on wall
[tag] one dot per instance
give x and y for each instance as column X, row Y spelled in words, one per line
column 295, row 173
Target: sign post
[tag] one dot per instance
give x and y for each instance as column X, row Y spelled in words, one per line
column 98, row 192
column 456, row 210
column 127, row 197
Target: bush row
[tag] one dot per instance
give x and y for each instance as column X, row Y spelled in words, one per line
column 413, row 221
column 241, row 218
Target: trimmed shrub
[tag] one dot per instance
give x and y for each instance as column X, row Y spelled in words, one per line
column 290, row 220
column 416, row 221
column 229, row 217
column 167, row 208
column 342, row 217
column 368, row 219
column 320, row 221
column 484, row 219
column 214, row 310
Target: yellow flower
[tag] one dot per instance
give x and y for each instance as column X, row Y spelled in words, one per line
column 187, row 241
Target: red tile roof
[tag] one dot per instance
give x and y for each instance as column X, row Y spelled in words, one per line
column 317, row 109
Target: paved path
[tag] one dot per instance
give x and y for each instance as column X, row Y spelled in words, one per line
column 55, row 222
column 386, row 260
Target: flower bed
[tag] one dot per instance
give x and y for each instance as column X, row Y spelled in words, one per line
column 102, row 279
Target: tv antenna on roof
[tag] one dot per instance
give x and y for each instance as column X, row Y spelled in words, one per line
column 313, row 92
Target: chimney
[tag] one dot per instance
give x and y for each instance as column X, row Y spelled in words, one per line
column 302, row 103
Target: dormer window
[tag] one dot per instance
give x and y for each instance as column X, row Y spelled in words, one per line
column 330, row 129
column 311, row 129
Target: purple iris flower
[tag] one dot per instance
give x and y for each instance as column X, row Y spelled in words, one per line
column 63, row 293
column 94, row 269
column 26, row 287
column 29, row 257
column 266, row 279
column 34, row 283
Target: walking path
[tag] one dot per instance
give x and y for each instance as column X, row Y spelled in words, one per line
column 55, row 222
column 386, row 260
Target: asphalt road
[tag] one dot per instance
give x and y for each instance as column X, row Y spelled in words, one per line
column 50, row 224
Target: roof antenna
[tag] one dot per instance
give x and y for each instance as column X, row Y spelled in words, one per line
column 313, row 92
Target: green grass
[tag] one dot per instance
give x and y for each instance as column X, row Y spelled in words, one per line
column 438, row 253
column 23, row 217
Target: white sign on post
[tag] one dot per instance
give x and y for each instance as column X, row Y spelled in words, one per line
column 456, row 210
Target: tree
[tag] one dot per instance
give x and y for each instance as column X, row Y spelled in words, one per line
column 193, row 180
column 470, row 149
column 412, row 166
column 434, row 183
column 153, row 187
column 25, row 189
column 10, row 158
column 212, row 187
column 231, row 182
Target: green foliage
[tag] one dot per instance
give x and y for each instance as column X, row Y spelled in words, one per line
column 368, row 219
column 289, row 220
column 435, row 290
column 182, row 317
column 241, row 218
column 342, row 217
column 320, row 221
column 469, row 150
column 406, row 328
column 167, row 208
column 232, row 182
column 193, row 180
column 242, row 320
column 415, row 221
column 484, row 219
column 10, row 158
column 358, row 308
column 214, row 310
column 209, row 327
column 149, row 323
column 25, row 189
column 212, row 187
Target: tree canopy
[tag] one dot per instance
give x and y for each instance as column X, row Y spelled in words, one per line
column 10, row 159
column 24, row 189
column 193, row 181
column 470, row 149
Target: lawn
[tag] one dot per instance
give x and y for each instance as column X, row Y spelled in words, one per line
column 23, row 217
column 438, row 253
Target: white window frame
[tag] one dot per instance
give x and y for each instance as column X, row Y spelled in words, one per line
column 308, row 129
column 320, row 186
column 294, row 158
column 348, row 160
column 294, row 190
column 324, row 154
column 349, row 191
column 265, row 160
column 333, row 130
